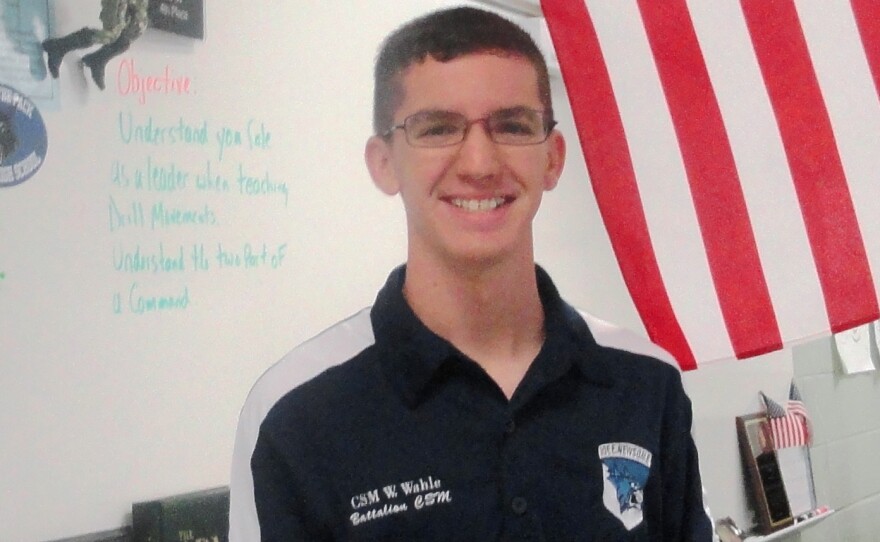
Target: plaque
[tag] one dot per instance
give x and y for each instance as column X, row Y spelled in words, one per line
column 181, row 17
column 763, row 475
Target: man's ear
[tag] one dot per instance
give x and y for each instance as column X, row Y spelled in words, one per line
column 555, row 159
column 377, row 154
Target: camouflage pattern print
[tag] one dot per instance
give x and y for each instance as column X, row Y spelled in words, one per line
column 122, row 18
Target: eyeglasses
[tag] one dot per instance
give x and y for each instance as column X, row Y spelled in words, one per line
column 513, row 126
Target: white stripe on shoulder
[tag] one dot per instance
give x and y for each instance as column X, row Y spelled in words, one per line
column 336, row 344
column 614, row 336
column 333, row 346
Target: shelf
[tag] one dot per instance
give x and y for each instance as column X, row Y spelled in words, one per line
column 790, row 529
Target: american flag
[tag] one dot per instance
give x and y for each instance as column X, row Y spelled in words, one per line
column 791, row 426
column 733, row 147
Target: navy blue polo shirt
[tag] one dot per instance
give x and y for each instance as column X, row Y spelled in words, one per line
column 411, row 440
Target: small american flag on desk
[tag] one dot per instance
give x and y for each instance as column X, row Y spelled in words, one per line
column 789, row 426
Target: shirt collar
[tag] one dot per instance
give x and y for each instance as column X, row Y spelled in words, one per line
column 567, row 337
column 411, row 354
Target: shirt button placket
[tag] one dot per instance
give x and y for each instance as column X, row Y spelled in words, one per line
column 519, row 505
column 509, row 427
column 518, row 524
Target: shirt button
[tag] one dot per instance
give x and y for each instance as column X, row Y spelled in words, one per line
column 510, row 427
column 519, row 505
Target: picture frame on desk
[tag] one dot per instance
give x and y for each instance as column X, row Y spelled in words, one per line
column 763, row 475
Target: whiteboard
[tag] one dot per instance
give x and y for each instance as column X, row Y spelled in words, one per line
column 106, row 398
column 177, row 241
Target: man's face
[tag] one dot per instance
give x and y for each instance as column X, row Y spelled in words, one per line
column 475, row 201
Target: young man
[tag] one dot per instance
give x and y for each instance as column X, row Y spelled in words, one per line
column 470, row 402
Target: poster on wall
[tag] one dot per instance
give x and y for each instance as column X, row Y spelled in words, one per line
column 25, row 26
column 182, row 17
column 23, row 140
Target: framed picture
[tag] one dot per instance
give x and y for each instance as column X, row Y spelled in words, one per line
column 762, row 473
column 181, row 17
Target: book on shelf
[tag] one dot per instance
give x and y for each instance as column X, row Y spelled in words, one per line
column 198, row 516
column 122, row 534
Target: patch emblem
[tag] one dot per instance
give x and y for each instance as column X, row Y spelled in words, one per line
column 625, row 469
column 23, row 140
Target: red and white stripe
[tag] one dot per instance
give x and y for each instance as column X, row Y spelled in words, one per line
column 789, row 430
column 792, row 429
column 734, row 150
column 789, row 426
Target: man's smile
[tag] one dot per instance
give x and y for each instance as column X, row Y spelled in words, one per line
column 477, row 205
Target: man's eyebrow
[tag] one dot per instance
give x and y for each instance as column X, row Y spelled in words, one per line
column 436, row 112
column 510, row 111
column 504, row 111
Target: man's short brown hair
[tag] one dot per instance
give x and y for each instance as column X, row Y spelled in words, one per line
column 446, row 35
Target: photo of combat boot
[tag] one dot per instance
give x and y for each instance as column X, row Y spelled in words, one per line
column 56, row 48
column 97, row 61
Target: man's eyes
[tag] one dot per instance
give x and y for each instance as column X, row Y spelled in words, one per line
column 514, row 127
column 439, row 129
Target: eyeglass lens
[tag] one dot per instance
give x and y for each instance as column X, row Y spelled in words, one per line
column 518, row 126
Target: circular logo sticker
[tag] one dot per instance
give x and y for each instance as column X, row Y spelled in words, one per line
column 23, row 139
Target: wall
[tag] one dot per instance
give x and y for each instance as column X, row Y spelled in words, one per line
column 845, row 411
column 846, row 415
column 100, row 408
column 102, row 405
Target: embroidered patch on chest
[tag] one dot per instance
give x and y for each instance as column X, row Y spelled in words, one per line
column 625, row 469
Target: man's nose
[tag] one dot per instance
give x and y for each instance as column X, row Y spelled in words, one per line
column 478, row 155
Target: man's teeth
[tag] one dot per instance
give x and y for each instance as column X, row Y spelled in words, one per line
column 477, row 204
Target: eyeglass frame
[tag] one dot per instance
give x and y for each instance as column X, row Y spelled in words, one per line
column 549, row 125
